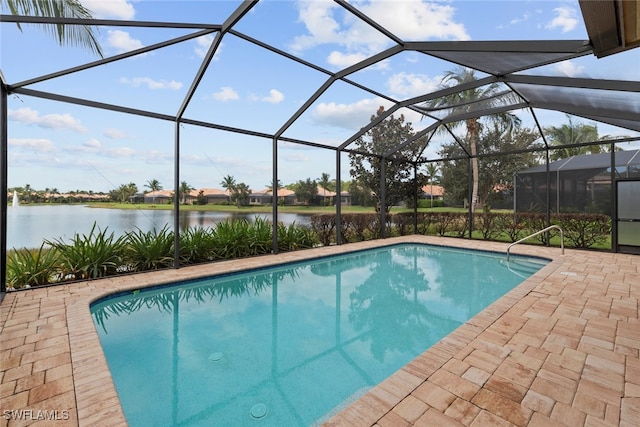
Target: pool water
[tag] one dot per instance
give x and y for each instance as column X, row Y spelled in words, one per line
column 290, row 345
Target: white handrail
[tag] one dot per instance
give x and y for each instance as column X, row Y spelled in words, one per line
column 535, row 234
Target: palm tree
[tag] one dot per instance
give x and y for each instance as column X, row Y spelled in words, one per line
column 153, row 185
column 75, row 35
column 183, row 191
column 432, row 172
column 27, row 192
column 325, row 183
column 228, row 183
column 573, row 133
column 464, row 102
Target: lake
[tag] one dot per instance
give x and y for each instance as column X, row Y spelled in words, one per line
column 28, row 226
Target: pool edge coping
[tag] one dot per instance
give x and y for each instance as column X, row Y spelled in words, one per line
column 97, row 401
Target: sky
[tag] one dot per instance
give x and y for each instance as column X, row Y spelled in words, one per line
column 70, row 147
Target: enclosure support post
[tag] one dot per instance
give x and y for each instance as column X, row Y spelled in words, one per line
column 274, row 200
column 338, row 201
column 383, row 198
column 470, row 192
column 176, row 198
column 548, row 210
column 415, row 198
column 614, row 201
column 3, row 187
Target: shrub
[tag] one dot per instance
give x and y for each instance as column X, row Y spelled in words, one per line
column 584, row 230
column 89, row 256
column 28, row 267
column 196, row 245
column 324, row 226
column 294, row 237
column 151, row 250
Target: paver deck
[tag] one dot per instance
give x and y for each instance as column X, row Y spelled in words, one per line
column 562, row 348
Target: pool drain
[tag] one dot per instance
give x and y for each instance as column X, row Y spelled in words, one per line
column 214, row 357
column 259, row 410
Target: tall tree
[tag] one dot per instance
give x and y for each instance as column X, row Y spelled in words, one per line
column 432, row 175
column 153, row 185
column 124, row 192
column 228, row 183
column 462, row 102
column 495, row 171
column 306, row 190
column 278, row 186
column 325, row 183
column 573, row 133
column 74, row 35
column 367, row 170
column 240, row 193
column 183, row 191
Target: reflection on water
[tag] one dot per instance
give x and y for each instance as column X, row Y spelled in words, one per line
column 299, row 340
column 29, row 226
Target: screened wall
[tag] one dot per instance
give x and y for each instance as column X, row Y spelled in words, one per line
column 575, row 184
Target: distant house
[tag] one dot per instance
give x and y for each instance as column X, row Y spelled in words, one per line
column 265, row 197
column 158, row 197
column 327, row 197
column 211, row 195
column 432, row 191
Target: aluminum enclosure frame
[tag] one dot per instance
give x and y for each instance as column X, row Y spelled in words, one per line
column 514, row 57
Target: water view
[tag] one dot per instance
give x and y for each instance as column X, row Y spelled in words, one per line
column 28, row 226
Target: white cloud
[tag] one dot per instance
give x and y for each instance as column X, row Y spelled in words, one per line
column 114, row 133
column 295, row 157
column 151, row 83
column 565, row 19
column 226, row 94
column 569, row 69
column 92, row 143
column 121, row 152
column 121, row 41
column 408, row 19
column 275, row 97
column 35, row 144
column 118, row 9
column 326, row 23
column 411, row 85
column 203, row 43
column 417, row 19
column 51, row 121
column 343, row 60
column 349, row 116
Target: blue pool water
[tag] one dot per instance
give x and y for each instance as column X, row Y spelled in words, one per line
column 290, row 345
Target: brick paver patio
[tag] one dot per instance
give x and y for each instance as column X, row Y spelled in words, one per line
column 560, row 349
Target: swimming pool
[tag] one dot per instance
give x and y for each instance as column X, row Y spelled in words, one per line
column 290, row 345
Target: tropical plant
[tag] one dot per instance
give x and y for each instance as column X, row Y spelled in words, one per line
column 75, row 35
column 153, row 185
column 570, row 134
column 196, row 245
column 183, row 191
column 150, row 250
column 228, row 183
column 29, row 267
column 465, row 102
column 293, row 237
column 89, row 256
column 432, row 174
